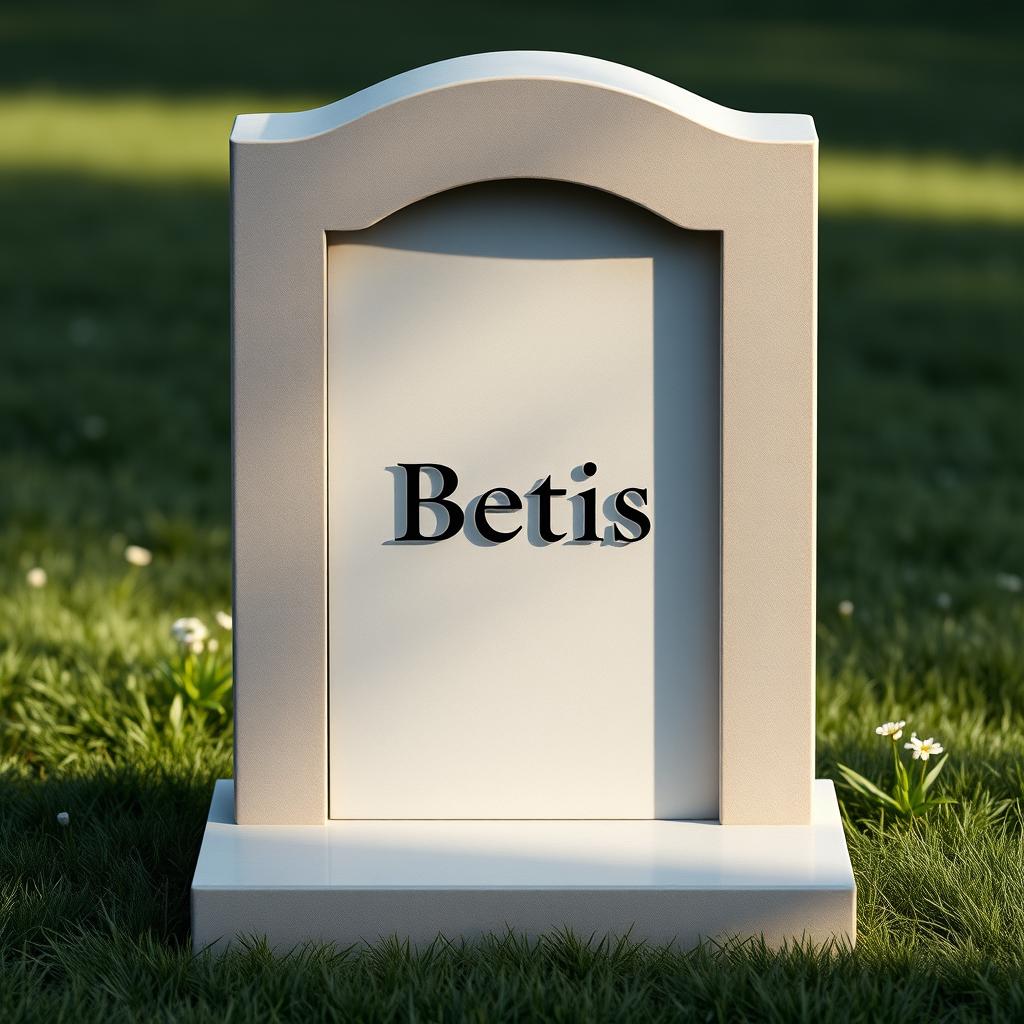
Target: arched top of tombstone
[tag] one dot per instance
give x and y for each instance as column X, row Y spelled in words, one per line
column 537, row 65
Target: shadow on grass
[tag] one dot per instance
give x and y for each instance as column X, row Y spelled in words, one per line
column 122, row 865
column 114, row 395
column 925, row 76
column 559, row 977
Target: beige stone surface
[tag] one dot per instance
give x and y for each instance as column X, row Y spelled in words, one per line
column 591, row 129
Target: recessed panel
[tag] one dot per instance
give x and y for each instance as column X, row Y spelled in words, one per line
column 557, row 656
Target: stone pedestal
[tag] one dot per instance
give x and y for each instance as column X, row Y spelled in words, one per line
column 664, row 881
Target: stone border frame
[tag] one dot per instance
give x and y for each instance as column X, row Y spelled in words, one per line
column 696, row 164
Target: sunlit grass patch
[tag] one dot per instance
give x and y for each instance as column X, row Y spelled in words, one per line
column 914, row 187
column 184, row 139
column 130, row 138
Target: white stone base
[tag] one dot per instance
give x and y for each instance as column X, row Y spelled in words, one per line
column 665, row 881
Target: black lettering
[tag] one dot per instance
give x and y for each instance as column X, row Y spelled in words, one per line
column 544, row 492
column 589, row 497
column 413, row 501
column 515, row 503
column 632, row 515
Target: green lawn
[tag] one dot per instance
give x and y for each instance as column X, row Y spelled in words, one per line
column 114, row 424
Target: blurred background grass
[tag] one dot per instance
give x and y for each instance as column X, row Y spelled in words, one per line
column 114, row 422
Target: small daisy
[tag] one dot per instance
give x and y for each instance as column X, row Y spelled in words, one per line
column 224, row 620
column 136, row 555
column 36, row 577
column 846, row 609
column 894, row 730
column 923, row 749
column 191, row 633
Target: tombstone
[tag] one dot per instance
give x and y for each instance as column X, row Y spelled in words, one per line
column 524, row 509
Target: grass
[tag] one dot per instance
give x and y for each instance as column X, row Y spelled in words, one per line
column 162, row 141
column 114, row 420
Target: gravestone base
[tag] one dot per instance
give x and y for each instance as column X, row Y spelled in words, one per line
column 677, row 882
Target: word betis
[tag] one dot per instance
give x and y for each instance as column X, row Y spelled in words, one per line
column 504, row 502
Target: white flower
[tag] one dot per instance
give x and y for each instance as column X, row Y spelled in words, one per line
column 923, row 749
column 1009, row 581
column 224, row 620
column 63, row 819
column 894, row 730
column 135, row 555
column 846, row 609
column 191, row 633
column 36, row 577
column 944, row 601
column 211, row 644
